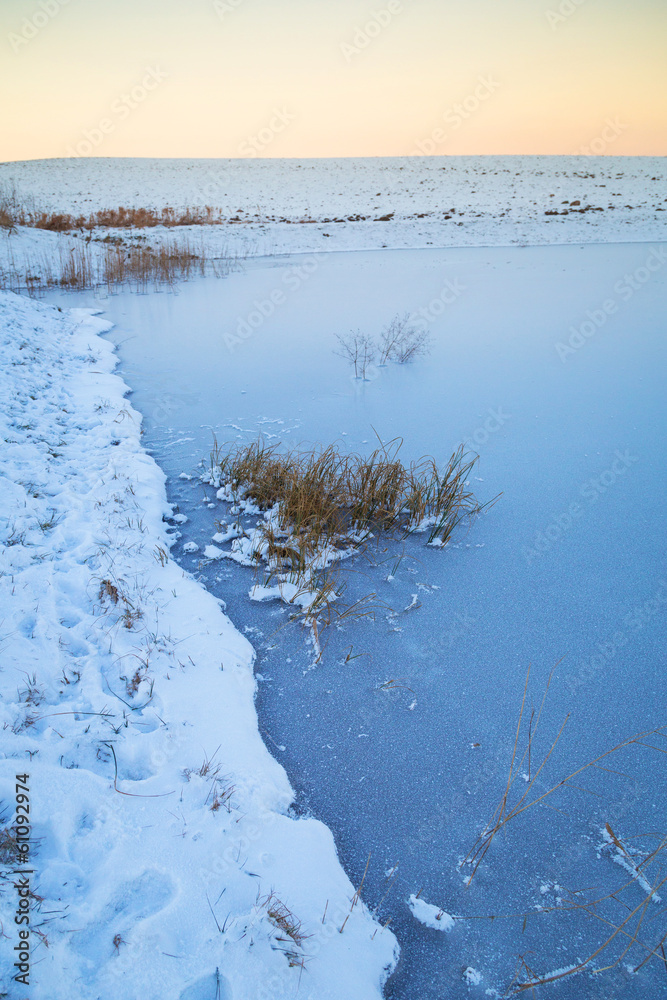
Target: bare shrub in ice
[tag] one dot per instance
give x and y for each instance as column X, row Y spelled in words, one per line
column 357, row 348
column 400, row 341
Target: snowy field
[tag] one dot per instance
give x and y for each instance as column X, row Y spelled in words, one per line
column 161, row 823
column 352, row 204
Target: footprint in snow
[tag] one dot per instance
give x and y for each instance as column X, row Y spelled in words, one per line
column 132, row 902
column 27, row 627
column 213, row 985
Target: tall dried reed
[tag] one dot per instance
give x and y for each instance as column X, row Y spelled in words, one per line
column 534, row 792
column 82, row 263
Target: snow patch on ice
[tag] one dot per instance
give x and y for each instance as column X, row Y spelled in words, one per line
column 429, row 915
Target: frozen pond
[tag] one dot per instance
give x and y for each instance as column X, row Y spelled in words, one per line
column 403, row 749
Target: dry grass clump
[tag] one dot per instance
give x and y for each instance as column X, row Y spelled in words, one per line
column 321, row 506
column 334, row 497
column 76, row 267
column 623, row 935
column 54, row 222
column 13, row 208
column 288, row 927
column 18, row 210
column 9, row 849
column 6, row 215
column 140, row 218
column 131, row 614
column 123, row 218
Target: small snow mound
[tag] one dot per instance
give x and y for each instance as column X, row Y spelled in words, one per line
column 229, row 533
column 213, row 552
column 472, row 977
column 190, row 547
column 429, row 915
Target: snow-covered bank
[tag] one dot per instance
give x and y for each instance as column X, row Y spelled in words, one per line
column 274, row 207
column 292, row 206
column 166, row 861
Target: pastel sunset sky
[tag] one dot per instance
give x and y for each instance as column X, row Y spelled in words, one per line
column 310, row 78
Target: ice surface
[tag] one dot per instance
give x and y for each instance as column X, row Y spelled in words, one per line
column 530, row 583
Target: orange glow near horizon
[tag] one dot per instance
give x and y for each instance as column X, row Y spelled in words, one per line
column 234, row 78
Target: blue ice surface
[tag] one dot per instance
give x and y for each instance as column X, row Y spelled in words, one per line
column 570, row 563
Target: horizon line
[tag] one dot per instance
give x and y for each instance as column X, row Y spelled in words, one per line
column 403, row 156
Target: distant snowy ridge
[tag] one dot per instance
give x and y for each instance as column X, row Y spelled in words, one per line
column 164, row 852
